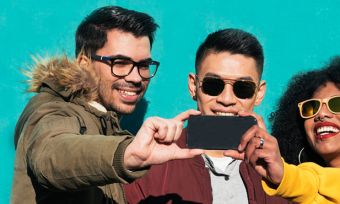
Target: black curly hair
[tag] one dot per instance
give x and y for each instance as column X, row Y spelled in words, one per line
column 287, row 125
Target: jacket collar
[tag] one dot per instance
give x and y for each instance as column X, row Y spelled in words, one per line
column 66, row 78
column 69, row 80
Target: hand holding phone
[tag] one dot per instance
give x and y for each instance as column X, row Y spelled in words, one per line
column 217, row 132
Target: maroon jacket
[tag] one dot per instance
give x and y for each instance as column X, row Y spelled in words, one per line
column 188, row 181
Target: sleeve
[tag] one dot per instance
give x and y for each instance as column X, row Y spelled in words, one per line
column 307, row 183
column 62, row 159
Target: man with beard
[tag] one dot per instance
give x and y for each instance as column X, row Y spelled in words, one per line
column 69, row 144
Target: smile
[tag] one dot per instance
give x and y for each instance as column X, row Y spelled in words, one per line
column 326, row 130
column 225, row 114
column 129, row 96
column 128, row 93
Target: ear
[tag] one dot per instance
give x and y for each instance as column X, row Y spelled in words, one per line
column 260, row 92
column 192, row 85
column 83, row 60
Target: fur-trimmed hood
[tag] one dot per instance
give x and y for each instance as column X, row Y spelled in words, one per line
column 63, row 75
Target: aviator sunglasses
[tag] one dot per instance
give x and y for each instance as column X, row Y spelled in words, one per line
column 214, row 86
column 309, row 108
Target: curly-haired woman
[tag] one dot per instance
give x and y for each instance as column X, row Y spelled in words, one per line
column 306, row 125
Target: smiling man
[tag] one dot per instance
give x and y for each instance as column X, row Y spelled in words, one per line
column 69, row 144
column 122, row 86
column 229, row 66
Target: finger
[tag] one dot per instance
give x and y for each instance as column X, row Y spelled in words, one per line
column 185, row 115
column 171, row 131
column 174, row 130
column 271, row 148
column 255, row 158
column 247, row 136
column 187, row 153
column 160, row 127
column 251, row 147
column 260, row 121
column 268, row 152
column 149, row 130
column 234, row 154
column 179, row 130
column 274, row 168
column 258, row 162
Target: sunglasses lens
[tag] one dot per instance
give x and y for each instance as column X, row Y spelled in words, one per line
column 309, row 108
column 212, row 86
column 244, row 89
column 334, row 104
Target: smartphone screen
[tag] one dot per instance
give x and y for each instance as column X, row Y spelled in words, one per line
column 217, row 132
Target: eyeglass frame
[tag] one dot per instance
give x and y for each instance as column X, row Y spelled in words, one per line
column 227, row 81
column 107, row 59
column 322, row 101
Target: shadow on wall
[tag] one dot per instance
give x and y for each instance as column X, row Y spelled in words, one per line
column 135, row 120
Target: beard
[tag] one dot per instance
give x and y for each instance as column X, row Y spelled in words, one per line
column 111, row 98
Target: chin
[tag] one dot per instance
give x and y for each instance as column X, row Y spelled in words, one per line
column 124, row 109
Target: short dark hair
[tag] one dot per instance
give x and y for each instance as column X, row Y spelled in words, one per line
column 287, row 125
column 91, row 34
column 235, row 41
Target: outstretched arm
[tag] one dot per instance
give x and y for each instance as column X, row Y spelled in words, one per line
column 305, row 183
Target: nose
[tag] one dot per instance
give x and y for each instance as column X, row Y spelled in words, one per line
column 134, row 76
column 324, row 113
column 227, row 96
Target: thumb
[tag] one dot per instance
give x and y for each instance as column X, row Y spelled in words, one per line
column 234, row 154
column 185, row 115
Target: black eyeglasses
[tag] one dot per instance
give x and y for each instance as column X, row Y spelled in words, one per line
column 311, row 107
column 122, row 67
column 214, row 86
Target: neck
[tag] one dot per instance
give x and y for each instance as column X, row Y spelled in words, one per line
column 334, row 162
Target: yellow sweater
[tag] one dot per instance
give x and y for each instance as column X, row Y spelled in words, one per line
column 308, row 183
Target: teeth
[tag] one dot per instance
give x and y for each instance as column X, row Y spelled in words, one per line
column 128, row 93
column 327, row 129
column 224, row 114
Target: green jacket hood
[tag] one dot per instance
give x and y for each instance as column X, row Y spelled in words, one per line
column 66, row 77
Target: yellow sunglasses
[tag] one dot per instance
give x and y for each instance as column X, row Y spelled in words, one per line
column 309, row 108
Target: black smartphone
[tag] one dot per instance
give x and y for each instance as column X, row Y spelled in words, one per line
column 217, row 132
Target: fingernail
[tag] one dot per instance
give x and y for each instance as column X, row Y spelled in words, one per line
column 239, row 147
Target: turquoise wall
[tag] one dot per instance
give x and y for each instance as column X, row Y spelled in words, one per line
column 296, row 35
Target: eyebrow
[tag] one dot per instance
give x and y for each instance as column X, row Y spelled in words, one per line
column 210, row 74
column 129, row 58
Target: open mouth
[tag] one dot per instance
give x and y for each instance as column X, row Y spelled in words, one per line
column 326, row 130
column 225, row 114
column 129, row 96
column 127, row 93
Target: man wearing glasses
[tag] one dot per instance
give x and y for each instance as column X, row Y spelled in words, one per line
column 227, row 82
column 69, row 144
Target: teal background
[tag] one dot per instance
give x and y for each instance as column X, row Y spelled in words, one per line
column 296, row 36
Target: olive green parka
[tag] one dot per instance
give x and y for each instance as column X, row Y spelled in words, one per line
column 68, row 151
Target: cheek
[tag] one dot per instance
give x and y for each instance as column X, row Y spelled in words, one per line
column 105, row 89
column 204, row 99
column 145, row 84
column 338, row 118
column 203, row 102
column 247, row 105
column 309, row 129
column 104, row 72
